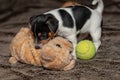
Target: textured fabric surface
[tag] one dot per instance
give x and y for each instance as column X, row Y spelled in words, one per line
column 105, row 65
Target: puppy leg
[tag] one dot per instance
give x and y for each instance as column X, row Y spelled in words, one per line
column 73, row 39
column 96, row 35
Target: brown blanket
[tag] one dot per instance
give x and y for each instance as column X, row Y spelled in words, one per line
column 105, row 66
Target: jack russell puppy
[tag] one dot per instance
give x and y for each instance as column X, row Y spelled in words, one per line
column 68, row 22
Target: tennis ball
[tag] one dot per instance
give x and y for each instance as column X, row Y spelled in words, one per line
column 85, row 50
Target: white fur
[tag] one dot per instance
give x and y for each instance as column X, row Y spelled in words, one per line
column 92, row 26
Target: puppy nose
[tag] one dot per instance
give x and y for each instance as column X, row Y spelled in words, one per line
column 37, row 47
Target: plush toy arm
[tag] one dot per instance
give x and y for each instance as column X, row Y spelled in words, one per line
column 69, row 66
column 12, row 60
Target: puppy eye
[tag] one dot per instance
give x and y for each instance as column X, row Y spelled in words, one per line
column 58, row 45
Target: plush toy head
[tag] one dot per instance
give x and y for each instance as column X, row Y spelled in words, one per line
column 56, row 54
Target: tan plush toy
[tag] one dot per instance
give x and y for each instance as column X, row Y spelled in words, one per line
column 70, row 3
column 56, row 54
column 22, row 48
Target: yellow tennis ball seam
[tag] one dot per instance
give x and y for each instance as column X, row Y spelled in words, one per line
column 87, row 45
column 90, row 51
column 87, row 50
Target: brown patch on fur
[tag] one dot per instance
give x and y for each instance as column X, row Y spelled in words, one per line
column 69, row 3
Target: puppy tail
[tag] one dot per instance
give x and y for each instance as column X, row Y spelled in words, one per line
column 100, row 5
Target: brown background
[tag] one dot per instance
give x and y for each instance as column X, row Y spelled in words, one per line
column 15, row 14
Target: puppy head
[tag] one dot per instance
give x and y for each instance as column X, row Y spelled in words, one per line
column 41, row 26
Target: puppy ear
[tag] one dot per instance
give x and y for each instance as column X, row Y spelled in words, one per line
column 52, row 23
column 38, row 18
column 49, row 19
column 31, row 20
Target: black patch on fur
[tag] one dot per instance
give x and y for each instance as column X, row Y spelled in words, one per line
column 102, row 23
column 38, row 23
column 43, row 24
column 81, row 15
column 67, row 19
